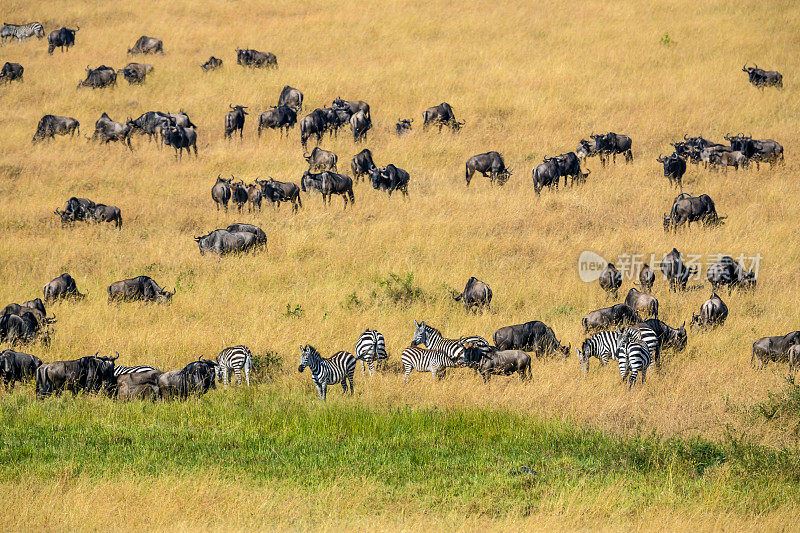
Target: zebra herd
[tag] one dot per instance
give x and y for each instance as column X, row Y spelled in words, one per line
column 634, row 348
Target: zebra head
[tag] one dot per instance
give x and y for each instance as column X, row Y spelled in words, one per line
column 308, row 353
column 420, row 334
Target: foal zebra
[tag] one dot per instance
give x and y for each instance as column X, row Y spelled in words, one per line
column 338, row 368
column 22, row 31
column 120, row 370
column 454, row 349
column 633, row 355
column 234, row 358
column 371, row 349
column 423, row 360
column 604, row 345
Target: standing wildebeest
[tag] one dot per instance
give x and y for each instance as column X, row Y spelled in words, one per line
column 360, row 124
column 221, row 192
column 724, row 159
column 138, row 288
column 281, row 117
column 21, row 328
column 713, row 312
column 440, row 115
column 63, row 38
column 403, row 125
column 198, row 377
column 211, row 64
column 107, row 213
column 99, row 77
column 87, row 374
column 239, row 194
column 362, row 164
column 390, row 179
column 138, row 385
column 256, row 59
column 17, row 366
column 51, row 125
column 676, row 271
column 181, row 138
column 546, row 175
column 490, row 165
column 76, row 209
column 258, row 233
column 329, row 183
column 568, row 166
column 759, row 151
column 687, row 209
column 11, row 72
column 642, row 303
column 181, row 119
column 151, row 123
column 586, row 149
column 646, row 278
column 608, row 317
column 61, row 287
column 728, row 272
column 668, row 337
column 313, row 124
column 291, row 97
column 610, row 280
column 21, row 31
column 612, row 144
column 279, row 191
column 500, row 362
column 107, row 130
column 135, row 73
column 234, row 120
column 320, row 159
column 223, row 241
column 674, row 168
column 763, row 78
column 147, row 45
column 777, row 348
column 254, row 197
column 352, row 106
column 534, row 336
column 476, row 294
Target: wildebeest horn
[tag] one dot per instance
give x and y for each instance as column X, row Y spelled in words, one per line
column 685, row 137
column 230, row 105
column 98, row 353
column 115, row 358
column 197, row 238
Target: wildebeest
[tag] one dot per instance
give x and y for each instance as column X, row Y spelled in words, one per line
column 181, row 119
column 51, row 125
column 135, row 73
column 644, row 304
column 35, row 306
column 360, row 124
column 499, row 362
column 107, row 130
column 99, row 77
column 256, row 59
column 687, row 209
column 612, row 144
column 291, row 97
column 147, row 45
column 21, row 328
column 544, row 175
column 476, row 294
column 281, row 117
column 107, row 213
column 335, row 118
column 777, row 348
column 279, row 191
column 533, row 336
column 61, row 287
column 608, row 317
column 11, row 72
column 223, row 242
column 390, row 179
column 234, row 120
column 239, row 194
column 362, row 164
column 668, row 337
column 763, row 78
column 490, row 165
column 676, row 271
column 352, row 106
column 440, row 115
column 258, row 233
column 76, row 209
column 728, row 272
column 211, row 64
column 569, row 165
column 63, row 38
column 403, row 125
column 610, row 280
column 758, row 151
column 674, row 168
column 21, row 31
column 180, row 138
column 17, row 366
column 254, row 197
column 586, row 149
column 151, row 123
column 713, row 313
column 87, row 374
column 198, row 377
column 139, row 288
column 221, row 192
column 329, row 183
column 320, row 159
column 138, row 385
column 313, row 124
column 646, row 278
column 720, row 159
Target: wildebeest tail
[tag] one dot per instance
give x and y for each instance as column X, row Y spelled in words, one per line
column 42, row 382
column 654, row 308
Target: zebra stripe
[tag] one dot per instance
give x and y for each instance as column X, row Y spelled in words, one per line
column 234, row 358
column 634, row 356
column 423, row 360
column 22, row 31
column 120, row 370
column 338, row 368
column 454, row 349
column 605, row 344
column 371, row 349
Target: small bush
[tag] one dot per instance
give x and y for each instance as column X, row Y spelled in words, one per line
column 398, row 289
column 266, row 365
column 293, row 312
column 783, row 406
column 666, row 40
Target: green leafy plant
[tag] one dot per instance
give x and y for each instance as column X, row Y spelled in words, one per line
column 398, row 289
column 293, row 312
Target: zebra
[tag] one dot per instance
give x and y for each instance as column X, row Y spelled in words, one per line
column 234, row 358
column 338, row 368
column 22, row 31
column 633, row 355
column 454, row 349
column 120, row 370
column 604, row 345
column 422, row 360
column 371, row 349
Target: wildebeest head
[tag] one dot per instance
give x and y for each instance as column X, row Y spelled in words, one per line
column 239, row 108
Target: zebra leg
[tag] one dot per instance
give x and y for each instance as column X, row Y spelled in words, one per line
column 322, row 388
column 344, row 385
column 363, row 368
column 238, row 373
column 371, row 367
column 247, row 374
column 352, row 389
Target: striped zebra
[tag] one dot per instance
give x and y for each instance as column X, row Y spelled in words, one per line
column 604, row 345
column 434, row 361
column 371, row 349
column 454, row 349
column 234, row 358
column 120, row 370
column 21, row 31
column 633, row 355
column 338, row 368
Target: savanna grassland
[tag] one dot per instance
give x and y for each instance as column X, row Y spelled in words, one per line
column 707, row 442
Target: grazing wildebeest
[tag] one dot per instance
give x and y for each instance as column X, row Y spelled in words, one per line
column 107, row 130
column 234, row 120
column 610, row 280
column 362, row 164
column 728, row 272
column 180, row 138
column 403, row 125
column 676, row 271
column 63, row 38
column 674, row 168
column 440, row 115
column 315, row 124
column 135, row 73
column 281, row 117
column 211, row 64
column 138, row 288
column 279, row 191
column 668, row 337
column 646, row 278
column 151, row 123
column 329, row 183
column 586, row 149
column 713, row 313
column 20, row 328
column 320, row 159
column 612, row 144
column 87, row 374
column 533, row 336
column 476, row 294
column 51, row 125
column 17, row 366
column 238, row 194
column 221, row 192
column 138, row 385
column 360, row 124
column 499, row 362
column 256, row 59
column 99, row 77
column 222, row 242
column 76, row 209
column 107, row 213
column 777, row 348
column 763, row 78
column 687, row 209
column 11, row 72
column 644, row 304
column 490, row 165
column 351, row 106
column 544, row 175
column 147, row 45
column 608, row 317
column 254, row 197
column 569, row 165
column 390, row 179
column 61, row 287
column 21, row 31
column 239, row 227
column 198, row 377
column 291, row 97
column 758, row 151
column 335, row 118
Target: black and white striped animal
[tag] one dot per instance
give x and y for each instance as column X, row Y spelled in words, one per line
column 433, row 340
column 234, row 358
column 434, row 361
column 338, row 368
column 120, row 370
column 604, row 345
column 371, row 350
column 21, row 31
column 633, row 356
